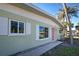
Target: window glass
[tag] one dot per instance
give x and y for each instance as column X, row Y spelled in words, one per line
column 43, row 32
column 21, row 27
column 46, row 32
column 14, row 27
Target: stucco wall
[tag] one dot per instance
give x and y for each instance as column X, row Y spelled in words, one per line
column 13, row 44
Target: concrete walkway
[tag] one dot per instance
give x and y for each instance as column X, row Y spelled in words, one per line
column 39, row 50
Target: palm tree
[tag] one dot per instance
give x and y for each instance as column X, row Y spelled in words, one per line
column 66, row 14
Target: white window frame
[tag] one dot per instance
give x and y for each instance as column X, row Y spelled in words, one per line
column 13, row 34
column 37, row 33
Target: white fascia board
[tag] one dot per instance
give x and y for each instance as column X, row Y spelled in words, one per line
column 43, row 11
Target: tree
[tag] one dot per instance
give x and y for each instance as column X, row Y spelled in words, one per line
column 78, row 24
column 67, row 13
column 72, row 25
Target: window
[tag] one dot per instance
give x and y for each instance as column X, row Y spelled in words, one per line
column 16, row 27
column 46, row 32
column 60, row 30
column 21, row 27
column 43, row 32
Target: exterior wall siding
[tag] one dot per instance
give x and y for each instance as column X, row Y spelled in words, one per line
column 13, row 44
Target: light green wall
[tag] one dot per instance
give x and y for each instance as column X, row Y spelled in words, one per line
column 13, row 44
column 58, row 33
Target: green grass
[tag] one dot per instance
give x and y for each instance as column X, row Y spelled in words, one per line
column 63, row 51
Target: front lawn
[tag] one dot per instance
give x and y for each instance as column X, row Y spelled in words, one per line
column 62, row 51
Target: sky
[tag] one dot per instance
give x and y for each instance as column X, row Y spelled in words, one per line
column 53, row 8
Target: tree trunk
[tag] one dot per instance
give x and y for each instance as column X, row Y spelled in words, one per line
column 70, row 32
column 67, row 18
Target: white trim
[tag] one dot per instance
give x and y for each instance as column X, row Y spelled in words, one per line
column 50, row 33
column 9, row 26
column 30, row 15
column 37, row 32
column 44, row 39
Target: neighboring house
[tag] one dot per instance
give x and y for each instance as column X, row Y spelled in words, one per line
column 25, row 26
column 74, row 33
column 77, row 30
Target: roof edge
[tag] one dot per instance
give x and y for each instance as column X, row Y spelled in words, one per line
column 43, row 11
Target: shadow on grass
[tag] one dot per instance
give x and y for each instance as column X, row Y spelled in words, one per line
column 64, row 50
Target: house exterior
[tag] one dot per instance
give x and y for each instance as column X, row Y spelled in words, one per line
column 77, row 30
column 25, row 26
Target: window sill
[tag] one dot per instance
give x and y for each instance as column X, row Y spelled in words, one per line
column 43, row 39
column 16, row 34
